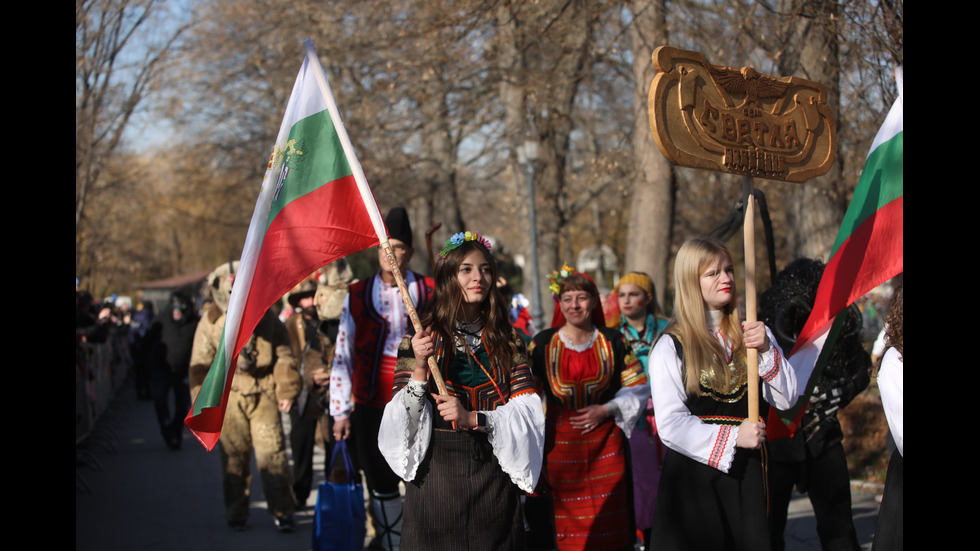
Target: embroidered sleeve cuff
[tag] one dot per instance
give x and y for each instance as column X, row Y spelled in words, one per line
column 489, row 428
column 403, row 437
column 723, row 451
column 770, row 363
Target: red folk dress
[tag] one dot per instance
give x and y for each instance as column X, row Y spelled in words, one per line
column 591, row 492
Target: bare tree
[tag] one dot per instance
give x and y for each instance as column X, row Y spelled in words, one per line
column 652, row 193
column 116, row 67
column 546, row 47
column 437, row 96
column 810, row 49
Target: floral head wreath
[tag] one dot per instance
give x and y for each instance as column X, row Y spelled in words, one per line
column 557, row 277
column 458, row 239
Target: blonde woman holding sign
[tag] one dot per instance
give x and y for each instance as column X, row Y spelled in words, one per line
column 712, row 487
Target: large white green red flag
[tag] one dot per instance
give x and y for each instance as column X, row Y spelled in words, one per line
column 870, row 244
column 314, row 207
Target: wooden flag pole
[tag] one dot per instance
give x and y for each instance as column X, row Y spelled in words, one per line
column 751, row 354
column 413, row 314
column 428, row 244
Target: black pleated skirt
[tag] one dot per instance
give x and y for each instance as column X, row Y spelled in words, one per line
column 701, row 508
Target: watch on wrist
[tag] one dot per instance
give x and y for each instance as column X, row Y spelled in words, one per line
column 483, row 423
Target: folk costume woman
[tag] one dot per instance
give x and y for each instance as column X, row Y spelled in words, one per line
column 889, row 533
column 639, row 319
column 596, row 390
column 465, row 457
column 712, row 486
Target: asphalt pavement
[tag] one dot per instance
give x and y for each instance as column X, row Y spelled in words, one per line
column 133, row 493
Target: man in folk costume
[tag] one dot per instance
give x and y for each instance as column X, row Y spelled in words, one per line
column 372, row 324
column 265, row 383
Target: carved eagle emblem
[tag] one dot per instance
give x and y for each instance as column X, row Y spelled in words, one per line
column 750, row 82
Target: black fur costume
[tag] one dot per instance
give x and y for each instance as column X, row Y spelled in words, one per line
column 814, row 459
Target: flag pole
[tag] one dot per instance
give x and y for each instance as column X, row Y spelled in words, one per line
column 412, row 313
column 751, row 354
column 428, row 244
column 368, row 198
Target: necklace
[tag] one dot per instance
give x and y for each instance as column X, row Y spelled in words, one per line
column 471, row 333
column 641, row 339
column 478, row 321
column 579, row 337
column 471, row 357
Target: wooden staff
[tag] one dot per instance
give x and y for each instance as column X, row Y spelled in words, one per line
column 751, row 354
column 412, row 314
column 428, row 244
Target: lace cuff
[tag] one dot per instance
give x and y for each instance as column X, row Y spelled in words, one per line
column 517, row 438
column 406, row 429
column 627, row 406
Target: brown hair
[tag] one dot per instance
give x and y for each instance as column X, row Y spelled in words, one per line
column 443, row 310
column 579, row 282
column 894, row 328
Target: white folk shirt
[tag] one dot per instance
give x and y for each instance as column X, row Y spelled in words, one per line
column 389, row 304
column 688, row 434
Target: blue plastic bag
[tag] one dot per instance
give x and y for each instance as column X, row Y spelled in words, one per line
column 339, row 522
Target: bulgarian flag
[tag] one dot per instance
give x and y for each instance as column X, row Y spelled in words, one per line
column 870, row 244
column 314, row 207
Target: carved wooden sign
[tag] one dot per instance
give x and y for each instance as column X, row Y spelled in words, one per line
column 739, row 120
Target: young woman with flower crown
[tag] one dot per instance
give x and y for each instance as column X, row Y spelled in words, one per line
column 596, row 390
column 712, row 492
column 465, row 457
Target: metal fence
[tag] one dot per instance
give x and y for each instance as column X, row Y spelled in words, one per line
column 100, row 370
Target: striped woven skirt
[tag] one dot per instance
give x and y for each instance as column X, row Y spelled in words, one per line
column 589, row 475
column 461, row 500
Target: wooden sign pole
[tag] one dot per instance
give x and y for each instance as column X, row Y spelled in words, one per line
column 739, row 121
column 751, row 354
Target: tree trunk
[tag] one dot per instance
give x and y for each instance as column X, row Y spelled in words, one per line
column 436, row 164
column 814, row 210
column 652, row 194
column 555, row 86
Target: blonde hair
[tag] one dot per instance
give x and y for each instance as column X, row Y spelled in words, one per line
column 703, row 354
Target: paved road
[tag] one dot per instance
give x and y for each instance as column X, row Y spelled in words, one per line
column 132, row 493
